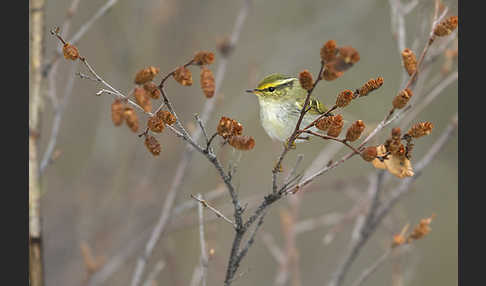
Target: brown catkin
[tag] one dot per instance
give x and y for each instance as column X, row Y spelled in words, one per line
column 330, row 73
column 349, row 54
column 420, row 129
column 183, row 76
column 324, row 123
column 117, row 112
column 328, row 51
column 207, row 82
column 344, row 98
column 370, row 85
column 306, row 80
column 152, row 145
column 336, row 125
column 446, row 27
column 402, row 98
column 70, row 52
column 228, row 127
column 421, row 230
column 242, row 142
column 409, row 61
column 203, row 58
column 155, row 124
column 131, row 118
column 369, row 154
column 142, row 99
column 167, row 117
column 146, row 74
column 152, row 90
column 355, row 130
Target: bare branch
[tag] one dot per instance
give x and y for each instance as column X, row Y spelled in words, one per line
column 204, row 203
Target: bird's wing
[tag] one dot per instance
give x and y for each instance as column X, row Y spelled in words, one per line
column 316, row 107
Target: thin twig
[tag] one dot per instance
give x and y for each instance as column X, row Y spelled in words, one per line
column 204, row 203
column 370, row 270
column 82, row 31
column 202, row 242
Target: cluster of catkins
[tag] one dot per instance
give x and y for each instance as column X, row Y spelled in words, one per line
column 231, row 131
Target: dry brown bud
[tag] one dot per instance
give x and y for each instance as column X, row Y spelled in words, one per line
column 330, row 73
column 131, row 118
column 344, row 98
column 395, row 133
column 398, row 239
column 421, row 230
column 207, row 82
column 146, row 74
column 152, row 145
column 306, row 80
column 402, row 98
column 336, row 125
column 355, row 130
column 152, row 90
column 324, row 123
column 369, row 154
column 183, row 76
column 155, row 124
column 420, row 129
column 409, row 61
column 203, row 58
column 349, row 55
column 446, row 27
column 242, row 142
column 328, row 51
column 70, row 52
column 166, row 117
column 370, row 85
column 142, row 99
column 228, row 127
column 117, row 112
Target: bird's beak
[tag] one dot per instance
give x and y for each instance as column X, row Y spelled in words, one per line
column 250, row 90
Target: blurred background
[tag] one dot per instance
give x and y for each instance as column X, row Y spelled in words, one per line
column 105, row 191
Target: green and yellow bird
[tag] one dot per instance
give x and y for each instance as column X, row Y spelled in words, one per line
column 281, row 99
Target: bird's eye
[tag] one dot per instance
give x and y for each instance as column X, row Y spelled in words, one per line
column 271, row 89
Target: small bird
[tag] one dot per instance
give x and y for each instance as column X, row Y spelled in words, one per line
column 281, row 100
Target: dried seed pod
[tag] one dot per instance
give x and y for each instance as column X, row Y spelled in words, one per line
column 446, row 27
column 402, row 98
column 336, row 125
column 152, row 90
column 324, row 123
column 152, row 145
column 117, row 112
column 409, row 61
column 421, row 230
column 131, row 118
column 306, row 80
column 369, row 154
column 349, row 55
column 398, row 240
column 203, row 58
column 395, row 133
column 183, row 76
column 330, row 73
column 344, row 98
column 146, row 74
column 328, row 51
column 355, row 130
column 155, row 124
column 70, row 52
column 228, row 127
column 207, row 82
column 142, row 99
column 420, row 129
column 370, row 85
column 167, row 117
column 242, row 142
